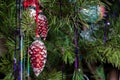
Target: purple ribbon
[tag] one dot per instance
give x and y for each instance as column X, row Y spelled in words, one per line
column 107, row 23
column 105, row 34
column 76, row 40
column 14, row 58
column 76, row 47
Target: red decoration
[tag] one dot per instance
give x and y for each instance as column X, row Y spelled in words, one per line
column 41, row 20
column 42, row 26
column 38, row 55
column 27, row 3
column 37, row 50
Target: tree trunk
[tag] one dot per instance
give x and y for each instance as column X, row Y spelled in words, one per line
column 113, row 74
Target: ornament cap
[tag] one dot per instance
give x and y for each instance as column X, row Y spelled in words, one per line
column 40, row 12
column 37, row 38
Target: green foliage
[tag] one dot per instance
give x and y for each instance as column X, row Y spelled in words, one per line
column 97, row 51
column 7, row 18
column 77, row 75
column 5, row 65
column 68, row 57
column 28, row 24
column 113, row 41
column 59, row 43
column 100, row 75
column 9, row 77
column 53, row 75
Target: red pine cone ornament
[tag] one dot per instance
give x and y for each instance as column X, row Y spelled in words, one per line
column 38, row 55
column 37, row 50
column 42, row 26
column 41, row 20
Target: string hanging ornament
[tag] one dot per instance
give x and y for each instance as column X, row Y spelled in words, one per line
column 92, row 12
column 42, row 26
column 89, row 32
column 38, row 55
column 37, row 49
column 40, row 18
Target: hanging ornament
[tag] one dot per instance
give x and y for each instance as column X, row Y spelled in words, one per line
column 38, row 55
column 41, row 20
column 92, row 13
column 42, row 26
column 88, row 33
